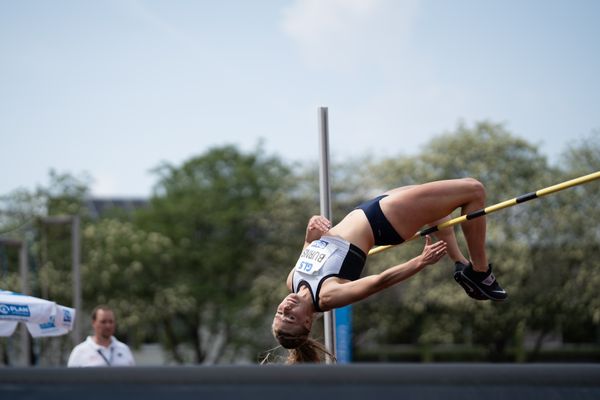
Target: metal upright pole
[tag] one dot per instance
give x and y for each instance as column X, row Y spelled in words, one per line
column 24, row 267
column 325, row 201
column 24, row 272
column 76, row 260
column 75, row 222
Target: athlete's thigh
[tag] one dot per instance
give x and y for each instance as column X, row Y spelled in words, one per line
column 399, row 189
column 410, row 209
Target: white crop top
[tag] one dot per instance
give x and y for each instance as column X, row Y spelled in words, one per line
column 325, row 258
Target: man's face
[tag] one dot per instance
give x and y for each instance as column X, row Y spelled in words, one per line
column 104, row 325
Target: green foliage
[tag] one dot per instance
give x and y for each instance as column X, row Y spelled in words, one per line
column 220, row 210
column 22, row 217
column 541, row 250
column 579, row 232
column 126, row 268
column 202, row 268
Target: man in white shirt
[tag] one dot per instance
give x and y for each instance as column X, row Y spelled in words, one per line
column 102, row 349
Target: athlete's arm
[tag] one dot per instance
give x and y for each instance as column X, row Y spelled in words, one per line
column 335, row 295
column 317, row 226
column 288, row 282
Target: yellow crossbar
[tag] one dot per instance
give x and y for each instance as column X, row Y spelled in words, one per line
column 496, row 207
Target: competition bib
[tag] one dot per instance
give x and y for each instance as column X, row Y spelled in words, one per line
column 314, row 257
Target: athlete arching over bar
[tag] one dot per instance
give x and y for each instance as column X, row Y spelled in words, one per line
column 327, row 274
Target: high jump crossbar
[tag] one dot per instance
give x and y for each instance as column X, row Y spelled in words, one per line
column 496, row 207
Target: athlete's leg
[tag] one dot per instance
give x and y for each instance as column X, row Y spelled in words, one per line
column 448, row 236
column 419, row 205
column 460, row 261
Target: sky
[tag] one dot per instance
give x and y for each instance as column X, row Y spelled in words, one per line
column 114, row 88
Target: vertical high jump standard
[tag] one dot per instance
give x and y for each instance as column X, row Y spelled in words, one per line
column 325, row 203
column 338, row 322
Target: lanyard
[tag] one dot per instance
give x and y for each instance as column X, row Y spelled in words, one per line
column 108, row 361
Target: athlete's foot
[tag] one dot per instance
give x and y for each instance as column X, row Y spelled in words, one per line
column 471, row 290
column 484, row 283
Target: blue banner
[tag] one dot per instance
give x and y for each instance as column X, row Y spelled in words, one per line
column 343, row 334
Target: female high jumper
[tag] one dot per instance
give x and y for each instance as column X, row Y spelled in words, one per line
column 327, row 274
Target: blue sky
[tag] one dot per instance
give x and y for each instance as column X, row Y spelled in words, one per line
column 113, row 88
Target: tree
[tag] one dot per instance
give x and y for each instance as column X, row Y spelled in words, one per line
column 436, row 308
column 126, row 268
column 577, row 239
column 226, row 214
column 48, row 247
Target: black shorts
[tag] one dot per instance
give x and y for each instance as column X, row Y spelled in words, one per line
column 383, row 232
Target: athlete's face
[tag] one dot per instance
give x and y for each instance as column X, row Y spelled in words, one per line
column 293, row 314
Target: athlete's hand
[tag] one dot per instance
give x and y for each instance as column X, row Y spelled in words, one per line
column 433, row 252
column 317, row 227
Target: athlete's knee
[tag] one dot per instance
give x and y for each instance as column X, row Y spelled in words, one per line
column 475, row 187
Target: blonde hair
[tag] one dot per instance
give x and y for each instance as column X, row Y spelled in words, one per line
column 302, row 348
